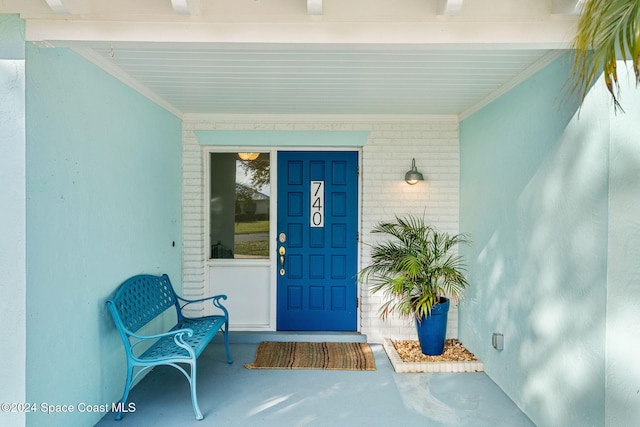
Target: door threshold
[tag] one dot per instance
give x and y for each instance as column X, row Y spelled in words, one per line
column 253, row 337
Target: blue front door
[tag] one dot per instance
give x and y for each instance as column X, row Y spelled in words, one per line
column 317, row 240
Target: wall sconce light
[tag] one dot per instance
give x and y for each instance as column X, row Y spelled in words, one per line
column 248, row 156
column 413, row 176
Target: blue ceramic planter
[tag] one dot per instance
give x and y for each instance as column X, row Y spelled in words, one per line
column 432, row 330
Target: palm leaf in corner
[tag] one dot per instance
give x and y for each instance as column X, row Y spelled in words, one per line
column 608, row 30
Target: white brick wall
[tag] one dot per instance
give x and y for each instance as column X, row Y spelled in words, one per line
column 386, row 156
column 193, row 176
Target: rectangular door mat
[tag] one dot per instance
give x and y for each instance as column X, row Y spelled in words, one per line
column 314, row 355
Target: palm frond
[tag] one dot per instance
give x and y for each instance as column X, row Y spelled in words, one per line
column 607, row 30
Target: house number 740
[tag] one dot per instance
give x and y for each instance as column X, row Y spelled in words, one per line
column 317, row 203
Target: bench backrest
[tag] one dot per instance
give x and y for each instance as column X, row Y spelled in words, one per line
column 141, row 299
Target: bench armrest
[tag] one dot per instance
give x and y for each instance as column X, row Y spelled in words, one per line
column 214, row 299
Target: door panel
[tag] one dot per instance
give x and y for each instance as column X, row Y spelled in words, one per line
column 317, row 215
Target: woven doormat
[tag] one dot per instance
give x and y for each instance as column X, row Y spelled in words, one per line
column 314, row 355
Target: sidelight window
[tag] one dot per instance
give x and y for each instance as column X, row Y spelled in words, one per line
column 240, row 195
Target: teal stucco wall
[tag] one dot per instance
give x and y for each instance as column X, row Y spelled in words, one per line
column 103, row 203
column 534, row 197
column 623, row 291
column 12, row 217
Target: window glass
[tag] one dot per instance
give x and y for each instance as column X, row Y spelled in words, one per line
column 239, row 205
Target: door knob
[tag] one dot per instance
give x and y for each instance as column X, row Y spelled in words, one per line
column 282, row 251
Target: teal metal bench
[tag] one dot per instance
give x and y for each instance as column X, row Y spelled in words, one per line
column 142, row 298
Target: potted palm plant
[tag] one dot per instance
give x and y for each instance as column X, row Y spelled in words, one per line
column 418, row 272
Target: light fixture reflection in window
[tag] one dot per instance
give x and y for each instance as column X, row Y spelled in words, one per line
column 248, row 156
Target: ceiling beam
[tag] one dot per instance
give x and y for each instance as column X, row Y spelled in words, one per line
column 186, row 7
column 535, row 34
column 314, row 7
column 566, row 7
column 58, row 7
column 449, row 7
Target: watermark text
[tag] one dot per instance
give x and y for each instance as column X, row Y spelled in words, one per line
column 55, row 408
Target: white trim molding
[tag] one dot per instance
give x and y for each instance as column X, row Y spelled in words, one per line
column 524, row 75
column 125, row 78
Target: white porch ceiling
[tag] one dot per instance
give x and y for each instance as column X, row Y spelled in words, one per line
column 315, row 79
column 319, row 57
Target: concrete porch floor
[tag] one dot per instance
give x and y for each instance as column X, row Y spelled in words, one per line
column 231, row 395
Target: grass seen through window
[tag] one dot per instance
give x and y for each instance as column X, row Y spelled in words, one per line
column 252, row 227
column 258, row 247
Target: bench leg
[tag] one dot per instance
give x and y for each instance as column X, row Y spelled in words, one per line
column 226, row 342
column 194, row 394
column 125, row 394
